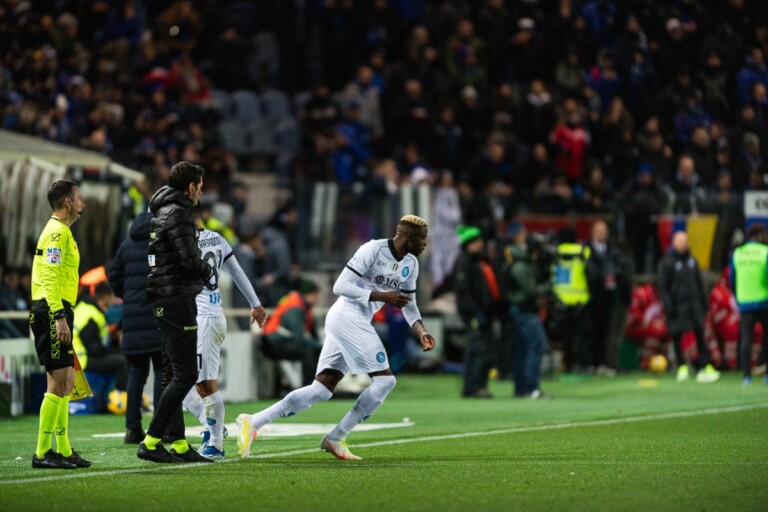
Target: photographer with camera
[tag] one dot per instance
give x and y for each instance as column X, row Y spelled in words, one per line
column 523, row 293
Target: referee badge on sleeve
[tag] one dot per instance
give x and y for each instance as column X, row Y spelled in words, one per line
column 53, row 256
column 158, row 311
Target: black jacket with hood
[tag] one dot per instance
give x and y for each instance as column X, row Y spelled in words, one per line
column 175, row 264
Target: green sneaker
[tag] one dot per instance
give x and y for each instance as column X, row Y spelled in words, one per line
column 708, row 375
column 682, row 373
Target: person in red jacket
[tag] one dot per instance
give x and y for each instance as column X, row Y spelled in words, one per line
column 646, row 323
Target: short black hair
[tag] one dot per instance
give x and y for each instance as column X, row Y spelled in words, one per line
column 58, row 191
column 757, row 230
column 102, row 289
column 184, row 173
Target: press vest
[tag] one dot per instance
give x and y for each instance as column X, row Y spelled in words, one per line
column 290, row 301
column 750, row 266
column 569, row 275
column 86, row 312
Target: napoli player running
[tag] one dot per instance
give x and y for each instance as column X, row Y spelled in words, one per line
column 204, row 399
column 381, row 271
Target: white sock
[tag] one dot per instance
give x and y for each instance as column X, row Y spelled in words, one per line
column 214, row 412
column 366, row 404
column 194, row 404
column 294, row 402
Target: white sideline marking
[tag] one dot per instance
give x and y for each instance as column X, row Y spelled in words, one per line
column 284, row 429
column 81, row 473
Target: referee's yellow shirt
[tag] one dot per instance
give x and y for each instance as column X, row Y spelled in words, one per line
column 55, row 266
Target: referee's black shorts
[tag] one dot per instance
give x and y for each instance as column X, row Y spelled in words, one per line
column 50, row 352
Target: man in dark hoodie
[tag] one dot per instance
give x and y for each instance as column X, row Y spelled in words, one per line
column 176, row 275
column 478, row 294
column 141, row 339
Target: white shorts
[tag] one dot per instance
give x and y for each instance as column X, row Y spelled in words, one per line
column 351, row 344
column 211, row 331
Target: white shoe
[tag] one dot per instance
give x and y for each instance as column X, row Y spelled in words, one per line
column 245, row 436
column 338, row 449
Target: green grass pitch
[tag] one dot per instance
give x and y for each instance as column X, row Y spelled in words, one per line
column 629, row 443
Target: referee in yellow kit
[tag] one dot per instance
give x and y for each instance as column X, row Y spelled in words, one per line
column 54, row 291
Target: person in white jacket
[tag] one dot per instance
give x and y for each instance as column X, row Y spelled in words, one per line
column 381, row 272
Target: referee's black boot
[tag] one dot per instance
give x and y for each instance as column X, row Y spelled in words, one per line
column 134, row 436
column 51, row 460
column 77, row 460
column 190, row 455
column 159, row 454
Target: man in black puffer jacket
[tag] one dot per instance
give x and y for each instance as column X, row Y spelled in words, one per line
column 176, row 276
column 141, row 339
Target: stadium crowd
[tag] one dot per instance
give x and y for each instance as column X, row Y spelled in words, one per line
column 623, row 109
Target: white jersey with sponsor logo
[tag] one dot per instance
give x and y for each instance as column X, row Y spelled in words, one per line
column 378, row 270
column 215, row 251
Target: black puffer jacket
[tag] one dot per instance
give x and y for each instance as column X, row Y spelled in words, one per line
column 682, row 292
column 174, row 258
column 128, row 278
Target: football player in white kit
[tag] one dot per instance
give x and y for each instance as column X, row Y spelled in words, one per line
column 204, row 399
column 381, row 271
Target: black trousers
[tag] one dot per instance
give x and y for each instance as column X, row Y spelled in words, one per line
column 113, row 363
column 478, row 359
column 137, row 378
column 746, row 326
column 177, row 320
column 279, row 347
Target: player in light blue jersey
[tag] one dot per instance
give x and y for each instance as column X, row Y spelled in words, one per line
column 204, row 399
column 381, row 272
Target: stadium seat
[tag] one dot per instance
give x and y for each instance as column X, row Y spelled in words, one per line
column 275, row 106
column 223, row 102
column 232, row 135
column 246, row 106
column 300, row 99
column 288, row 136
column 259, row 138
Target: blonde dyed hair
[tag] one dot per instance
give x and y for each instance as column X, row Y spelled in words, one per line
column 413, row 220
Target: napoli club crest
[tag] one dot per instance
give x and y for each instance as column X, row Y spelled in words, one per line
column 380, row 357
column 406, row 271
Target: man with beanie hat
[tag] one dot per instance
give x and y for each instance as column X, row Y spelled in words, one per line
column 477, row 297
column 291, row 333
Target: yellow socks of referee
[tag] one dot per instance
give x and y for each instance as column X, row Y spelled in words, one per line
column 151, row 442
column 62, row 428
column 180, row 446
column 49, row 412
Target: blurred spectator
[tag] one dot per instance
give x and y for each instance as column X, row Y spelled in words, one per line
column 609, row 281
column 366, row 94
column 446, row 216
column 96, row 349
column 13, row 298
column 641, row 199
column 690, row 196
column 320, row 113
column 570, row 140
column 523, row 294
column 290, row 332
column 477, row 297
column 749, row 280
column 754, row 72
column 646, row 323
